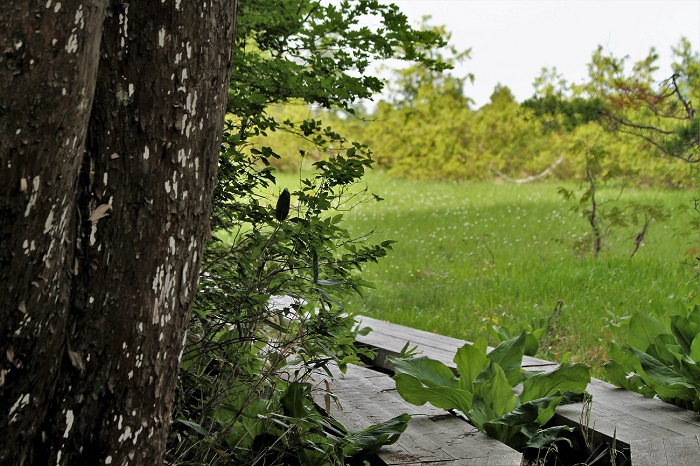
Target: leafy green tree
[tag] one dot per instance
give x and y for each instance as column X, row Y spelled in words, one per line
column 269, row 312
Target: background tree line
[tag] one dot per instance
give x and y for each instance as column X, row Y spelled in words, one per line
column 427, row 128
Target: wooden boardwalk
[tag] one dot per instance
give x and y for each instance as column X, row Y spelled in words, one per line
column 433, row 436
column 657, row 433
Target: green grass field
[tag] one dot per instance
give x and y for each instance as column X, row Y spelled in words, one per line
column 471, row 255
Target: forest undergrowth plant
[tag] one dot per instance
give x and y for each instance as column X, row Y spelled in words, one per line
column 661, row 357
column 246, row 358
column 484, row 391
column 269, row 313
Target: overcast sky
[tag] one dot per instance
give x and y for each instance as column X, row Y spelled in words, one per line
column 511, row 40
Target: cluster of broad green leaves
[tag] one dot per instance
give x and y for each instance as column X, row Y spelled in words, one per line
column 661, row 357
column 484, row 390
column 268, row 318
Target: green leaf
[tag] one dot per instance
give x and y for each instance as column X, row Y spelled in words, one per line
column 642, row 330
column 194, row 426
column 509, row 356
column 565, row 378
column 368, row 441
column 663, row 349
column 415, row 392
column 662, row 379
column 694, row 352
column 470, row 361
column 691, row 371
column 493, row 387
column 430, row 372
column 685, row 332
column 545, row 437
column 629, row 380
column 294, row 400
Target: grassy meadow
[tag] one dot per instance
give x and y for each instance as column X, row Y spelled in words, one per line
column 472, row 255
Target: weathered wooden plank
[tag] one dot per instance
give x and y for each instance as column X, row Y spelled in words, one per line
column 674, row 451
column 682, row 450
column 390, row 338
column 648, row 452
column 626, row 416
column 433, row 436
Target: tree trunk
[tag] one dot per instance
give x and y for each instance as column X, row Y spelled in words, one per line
column 104, row 213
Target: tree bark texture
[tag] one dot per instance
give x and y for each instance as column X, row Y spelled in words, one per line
column 107, row 174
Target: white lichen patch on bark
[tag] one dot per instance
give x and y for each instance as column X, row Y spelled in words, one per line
column 126, row 435
column 146, row 152
column 161, row 37
column 138, row 432
column 79, row 17
column 124, row 25
column 175, row 183
column 182, row 346
column 36, row 182
column 21, row 402
column 100, row 212
column 49, row 221
column 69, row 423
column 72, row 45
column 25, row 321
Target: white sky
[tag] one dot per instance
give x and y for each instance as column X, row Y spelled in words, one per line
column 511, row 40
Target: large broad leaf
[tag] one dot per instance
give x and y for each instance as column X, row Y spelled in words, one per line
column 566, row 378
column 685, row 331
column 517, row 426
column 642, row 330
column 665, row 350
column 623, row 356
column 545, row 437
column 294, row 400
column 666, row 382
column 629, row 380
column 430, row 372
column 470, row 361
column 368, row 441
column 493, row 387
column 415, row 392
column 691, row 372
column 694, row 353
column 509, row 356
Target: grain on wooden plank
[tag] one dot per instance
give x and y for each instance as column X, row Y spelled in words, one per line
column 673, row 451
column 392, row 337
column 682, row 450
column 648, row 452
column 628, row 416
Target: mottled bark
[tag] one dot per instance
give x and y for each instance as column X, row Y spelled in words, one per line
column 48, row 63
column 102, row 224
